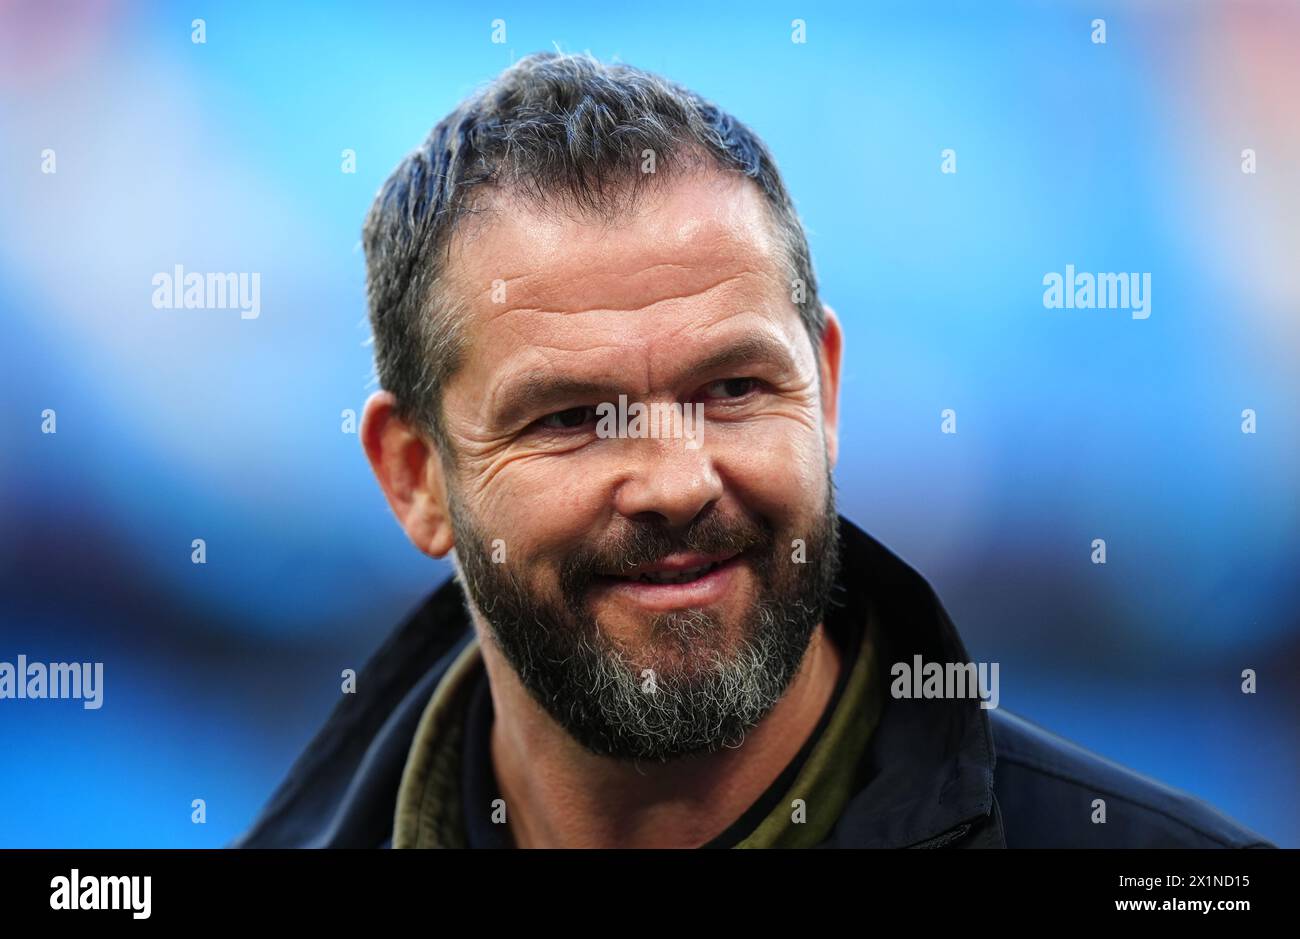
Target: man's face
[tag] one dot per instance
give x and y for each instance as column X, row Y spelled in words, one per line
column 655, row 594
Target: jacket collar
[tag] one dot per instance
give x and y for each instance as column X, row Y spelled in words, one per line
column 928, row 769
column 929, row 765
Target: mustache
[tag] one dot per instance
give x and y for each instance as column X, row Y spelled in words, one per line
column 647, row 543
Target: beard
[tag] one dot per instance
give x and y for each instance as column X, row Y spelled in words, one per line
column 689, row 685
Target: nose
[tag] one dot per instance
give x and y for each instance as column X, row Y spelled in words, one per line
column 666, row 482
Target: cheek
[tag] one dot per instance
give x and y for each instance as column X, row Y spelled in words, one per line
column 542, row 508
column 776, row 468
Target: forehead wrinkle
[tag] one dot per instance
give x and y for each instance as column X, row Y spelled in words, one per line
column 542, row 358
column 641, row 307
column 525, row 276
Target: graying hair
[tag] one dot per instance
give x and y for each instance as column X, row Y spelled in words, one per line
column 552, row 128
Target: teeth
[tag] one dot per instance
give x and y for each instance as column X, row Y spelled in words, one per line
column 675, row 577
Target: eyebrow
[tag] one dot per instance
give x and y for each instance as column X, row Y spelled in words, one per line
column 536, row 391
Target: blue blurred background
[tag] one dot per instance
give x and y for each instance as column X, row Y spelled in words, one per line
column 1072, row 424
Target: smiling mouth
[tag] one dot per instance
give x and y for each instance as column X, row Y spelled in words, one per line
column 677, row 570
column 686, row 576
column 677, row 582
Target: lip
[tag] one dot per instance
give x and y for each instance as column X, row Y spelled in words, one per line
column 660, row 598
column 681, row 561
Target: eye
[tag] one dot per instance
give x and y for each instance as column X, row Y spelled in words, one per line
column 568, row 419
column 730, row 388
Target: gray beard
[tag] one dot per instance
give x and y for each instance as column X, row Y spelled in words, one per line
column 689, row 692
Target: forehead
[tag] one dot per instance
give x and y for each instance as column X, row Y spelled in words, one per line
column 703, row 223
column 552, row 289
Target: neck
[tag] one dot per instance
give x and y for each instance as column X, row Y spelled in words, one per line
column 560, row 795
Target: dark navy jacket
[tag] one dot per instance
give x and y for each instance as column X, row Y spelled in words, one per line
column 940, row 773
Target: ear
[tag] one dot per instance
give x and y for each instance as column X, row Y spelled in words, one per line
column 409, row 470
column 831, row 349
